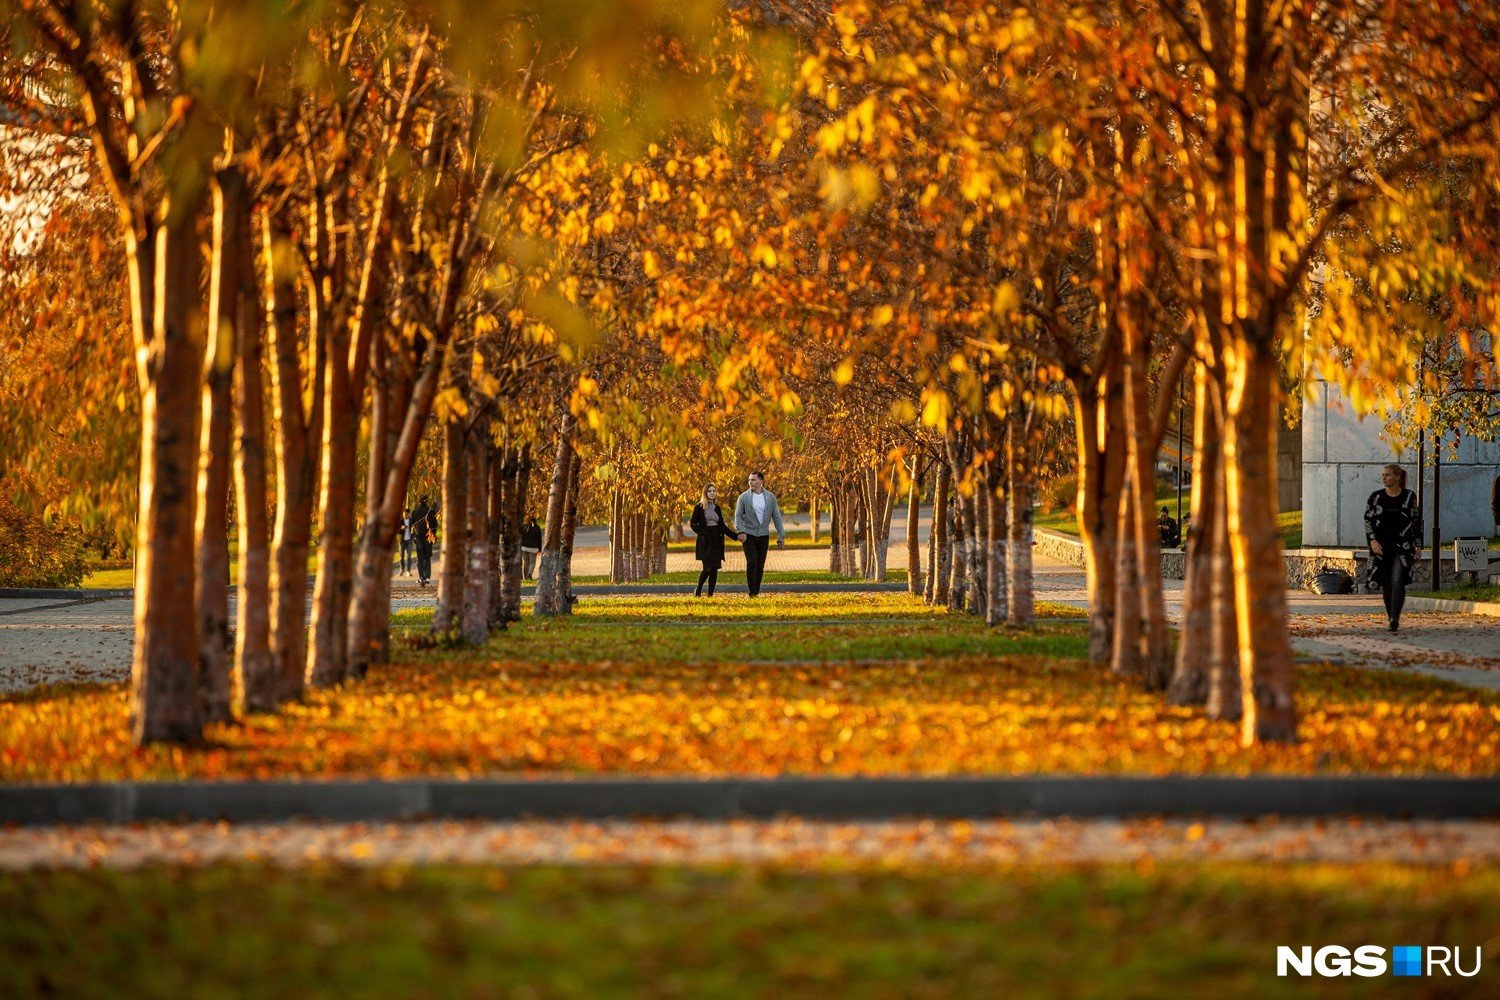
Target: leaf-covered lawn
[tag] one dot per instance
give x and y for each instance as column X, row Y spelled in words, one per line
column 1107, row 931
column 621, row 687
column 774, row 609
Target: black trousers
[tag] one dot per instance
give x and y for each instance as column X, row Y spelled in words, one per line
column 424, row 559
column 1393, row 589
column 756, row 547
column 406, row 553
column 710, row 576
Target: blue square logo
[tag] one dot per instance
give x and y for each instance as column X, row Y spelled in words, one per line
column 1406, row 960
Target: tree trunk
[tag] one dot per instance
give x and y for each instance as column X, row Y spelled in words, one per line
column 616, row 537
column 298, row 433
column 812, row 524
column 976, row 549
column 835, row 534
column 942, row 518
column 913, row 530
column 1126, row 654
column 216, row 453
column 883, row 547
column 1265, row 651
column 260, row 681
column 370, row 599
column 475, row 616
column 958, row 583
column 1190, row 679
column 1225, row 700
column 860, row 521
column 454, row 521
column 502, row 465
column 165, row 699
column 328, row 657
column 1155, row 666
column 1022, row 607
column 997, row 555
column 511, row 569
column 566, row 598
column 1101, row 468
column 369, row 612
column 548, row 596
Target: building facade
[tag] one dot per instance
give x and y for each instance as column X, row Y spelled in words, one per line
column 1342, row 455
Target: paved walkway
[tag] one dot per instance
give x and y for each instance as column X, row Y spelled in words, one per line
column 789, row 842
column 45, row 640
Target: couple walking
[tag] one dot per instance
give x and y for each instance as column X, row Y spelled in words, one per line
column 754, row 513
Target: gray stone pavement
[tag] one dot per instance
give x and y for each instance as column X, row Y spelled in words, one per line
column 790, row 842
column 44, row 640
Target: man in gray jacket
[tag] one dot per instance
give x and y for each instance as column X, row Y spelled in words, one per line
column 754, row 514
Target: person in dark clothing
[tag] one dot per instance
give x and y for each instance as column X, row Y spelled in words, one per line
column 1393, row 528
column 708, row 524
column 424, row 526
column 754, row 515
column 1166, row 528
column 403, row 535
column 531, row 544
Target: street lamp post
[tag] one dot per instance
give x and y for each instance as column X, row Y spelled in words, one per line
column 1181, row 406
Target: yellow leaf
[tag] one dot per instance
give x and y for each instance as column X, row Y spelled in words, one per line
column 1005, row 300
column 844, row 373
column 935, row 408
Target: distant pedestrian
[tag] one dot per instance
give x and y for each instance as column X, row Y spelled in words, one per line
column 424, row 527
column 709, row 525
column 531, row 544
column 407, row 548
column 1393, row 528
column 1166, row 528
column 754, row 514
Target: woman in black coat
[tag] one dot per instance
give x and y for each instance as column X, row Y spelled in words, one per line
column 708, row 524
column 1393, row 527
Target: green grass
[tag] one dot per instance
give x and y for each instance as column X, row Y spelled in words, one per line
column 1289, row 523
column 123, row 577
column 737, row 931
column 736, row 578
column 111, row 578
column 771, row 629
column 1482, row 592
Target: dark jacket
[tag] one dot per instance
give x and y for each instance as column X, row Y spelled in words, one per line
column 424, row 523
column 709, row 548
column 1399, row 532
column 531, row 536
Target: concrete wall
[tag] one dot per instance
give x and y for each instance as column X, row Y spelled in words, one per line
column 1342, row 456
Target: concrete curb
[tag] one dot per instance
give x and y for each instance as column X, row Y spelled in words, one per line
column 726, row 798
column 58, row 593
column 1453, row 607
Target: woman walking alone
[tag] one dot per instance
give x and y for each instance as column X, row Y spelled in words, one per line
column 708, row 524
column 1393, row 527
